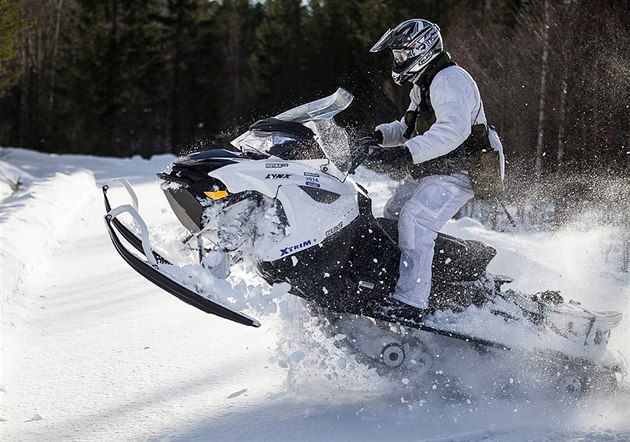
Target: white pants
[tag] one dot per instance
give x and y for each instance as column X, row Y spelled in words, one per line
column 422, row 208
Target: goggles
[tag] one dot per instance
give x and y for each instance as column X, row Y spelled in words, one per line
column 400, row 55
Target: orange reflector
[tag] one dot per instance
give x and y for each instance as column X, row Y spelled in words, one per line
column 217, row 195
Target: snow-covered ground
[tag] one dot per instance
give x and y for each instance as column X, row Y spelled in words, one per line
column 92, row 351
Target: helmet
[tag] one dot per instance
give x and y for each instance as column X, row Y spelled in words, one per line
column 414, row 43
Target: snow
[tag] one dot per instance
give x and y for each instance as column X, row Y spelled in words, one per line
column 92, row 351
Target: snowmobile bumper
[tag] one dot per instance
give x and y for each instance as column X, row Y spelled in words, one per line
column 150, row 266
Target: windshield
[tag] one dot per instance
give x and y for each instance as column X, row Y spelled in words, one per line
column 323, row 109
column 318, row 117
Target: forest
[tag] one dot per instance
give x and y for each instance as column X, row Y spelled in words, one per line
column 126, row 77
column 141, row 77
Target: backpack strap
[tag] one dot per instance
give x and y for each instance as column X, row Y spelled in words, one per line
column 424, row 109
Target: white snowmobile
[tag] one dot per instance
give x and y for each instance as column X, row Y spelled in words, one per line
column 285, row 199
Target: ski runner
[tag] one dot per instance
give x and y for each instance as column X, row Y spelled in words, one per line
column 445, row 114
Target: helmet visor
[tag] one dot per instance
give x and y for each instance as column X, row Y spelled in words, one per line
column 383, row 42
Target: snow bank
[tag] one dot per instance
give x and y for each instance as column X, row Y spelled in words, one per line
column 48, row 206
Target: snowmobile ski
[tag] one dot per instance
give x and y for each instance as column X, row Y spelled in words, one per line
column 149, row 268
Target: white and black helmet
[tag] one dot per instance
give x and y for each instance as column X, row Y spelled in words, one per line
column 414, row 44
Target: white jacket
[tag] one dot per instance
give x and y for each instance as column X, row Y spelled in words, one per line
column 457, row 104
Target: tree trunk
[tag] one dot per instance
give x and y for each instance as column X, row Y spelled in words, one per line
column 233, row 51
column 51, row 98
column 562, row 117
column 22, row 121
column 543, row 91
column 174, row 107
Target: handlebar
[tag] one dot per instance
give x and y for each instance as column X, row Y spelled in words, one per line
column 356, row 158
column 363, row 152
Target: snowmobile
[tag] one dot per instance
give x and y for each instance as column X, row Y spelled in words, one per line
column 283, row 196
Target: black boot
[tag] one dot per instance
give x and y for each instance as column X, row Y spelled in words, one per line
column 396, row 311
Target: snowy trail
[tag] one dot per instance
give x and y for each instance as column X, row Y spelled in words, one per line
column 90, row 360
column 93, row 352
column 94, row 331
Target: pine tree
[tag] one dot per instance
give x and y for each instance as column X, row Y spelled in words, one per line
column 235, row 24
column 190, row 56
column 112, row 90
column 281, row 58
column 12, row 24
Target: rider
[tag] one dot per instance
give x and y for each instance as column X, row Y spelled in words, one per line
column 445, row 105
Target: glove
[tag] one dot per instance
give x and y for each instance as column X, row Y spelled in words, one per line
column 375, row 137
column 378, row 136
column 371, row 143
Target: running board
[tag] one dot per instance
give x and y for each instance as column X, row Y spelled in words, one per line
column 150, row 268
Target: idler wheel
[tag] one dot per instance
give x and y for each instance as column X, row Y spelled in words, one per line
column 393, row 355
column 571, row 386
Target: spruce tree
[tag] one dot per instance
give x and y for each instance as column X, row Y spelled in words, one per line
column 12, row 24
column 281, row 58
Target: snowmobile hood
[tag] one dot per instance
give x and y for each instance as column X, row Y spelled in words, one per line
column 207, row 156
column 297, row 130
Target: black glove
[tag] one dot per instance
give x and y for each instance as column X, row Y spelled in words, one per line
column 375, row 137
column 378, row 136
column 371, row 143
